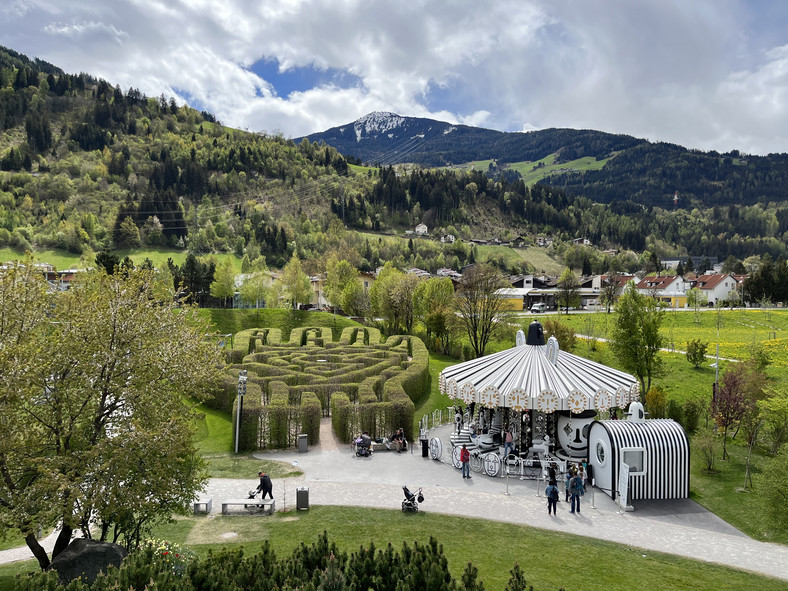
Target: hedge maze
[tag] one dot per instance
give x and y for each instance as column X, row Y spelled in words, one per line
column 362, row 382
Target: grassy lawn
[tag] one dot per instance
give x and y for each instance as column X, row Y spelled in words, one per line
column 739, row 330
column 436, row 400
column 229, row 465
column 549, row 559
column 63, row 259
column 722, row 492
column 214, row 439
column 534, row 256
column 533, row 173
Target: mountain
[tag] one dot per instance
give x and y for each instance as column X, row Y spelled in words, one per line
column 630, row 169
column 388, row 138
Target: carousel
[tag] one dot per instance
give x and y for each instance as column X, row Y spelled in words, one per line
column 545, row 397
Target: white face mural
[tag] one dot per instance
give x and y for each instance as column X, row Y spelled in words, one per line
column 573, row 433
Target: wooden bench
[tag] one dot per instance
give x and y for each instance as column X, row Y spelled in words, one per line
column 203, row 505
column 259, row 503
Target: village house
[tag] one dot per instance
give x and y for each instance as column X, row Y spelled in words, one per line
column 667, row 289
column 421, row 230
column 716, row 287
column 450, row 273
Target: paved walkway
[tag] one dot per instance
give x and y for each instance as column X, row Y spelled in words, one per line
column 335, row 476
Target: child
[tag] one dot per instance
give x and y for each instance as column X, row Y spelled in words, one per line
column 551, row 492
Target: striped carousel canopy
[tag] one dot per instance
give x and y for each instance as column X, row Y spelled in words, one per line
column 533, row 375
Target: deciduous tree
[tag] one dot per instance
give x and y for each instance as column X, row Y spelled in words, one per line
column 223, row 284
column 635, row 338
column 338, row 274
column 434, row 308
column 96, row 433
column 610, row 291
column 479, row 309
column 696, row 299
column 568, row 295
column 295, row 283
column 256, row 289
column 731, row 401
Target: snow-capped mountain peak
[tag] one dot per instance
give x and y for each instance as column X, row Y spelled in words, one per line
column 376, row 123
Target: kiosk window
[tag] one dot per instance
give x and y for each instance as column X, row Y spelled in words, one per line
column 635, row 458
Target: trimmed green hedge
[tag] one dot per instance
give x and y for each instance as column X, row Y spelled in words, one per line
column 365, row 385
column 311, row 413
column 342, row 417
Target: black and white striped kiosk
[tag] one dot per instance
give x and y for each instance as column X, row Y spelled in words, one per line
column 656, row 451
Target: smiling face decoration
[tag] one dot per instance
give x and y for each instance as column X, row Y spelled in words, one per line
column 573, row 434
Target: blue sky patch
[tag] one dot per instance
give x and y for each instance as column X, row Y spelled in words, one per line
column 302, row 79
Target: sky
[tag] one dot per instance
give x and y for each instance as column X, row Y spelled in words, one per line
column 705, row 74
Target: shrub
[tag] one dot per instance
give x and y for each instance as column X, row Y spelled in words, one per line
column 692, row 411
column 675, row 411
column 696, row 352
column 656, row 402
column 707, row 446
column 565, row 335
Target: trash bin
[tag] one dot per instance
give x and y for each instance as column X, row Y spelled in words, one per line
column 303, row 443
column 302, row 497
column 425, row 448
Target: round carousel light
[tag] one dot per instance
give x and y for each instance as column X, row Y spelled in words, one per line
column 547, row 401
column 577, row 402
column 489, row 397
column 467, row 393
column 603, row 400
column 519, row 399
column 622, row 398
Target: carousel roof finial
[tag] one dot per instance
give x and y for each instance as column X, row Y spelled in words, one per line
column 535, row 334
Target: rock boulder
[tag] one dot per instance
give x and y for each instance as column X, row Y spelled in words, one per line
column 87, row 558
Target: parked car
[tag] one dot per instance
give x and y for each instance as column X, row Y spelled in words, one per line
column 538, row 307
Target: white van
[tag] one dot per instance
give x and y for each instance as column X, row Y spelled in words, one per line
column 538, row 307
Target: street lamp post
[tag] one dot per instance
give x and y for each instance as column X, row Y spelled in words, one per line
column 240, row 405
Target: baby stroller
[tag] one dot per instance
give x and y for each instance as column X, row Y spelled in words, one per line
column 412, row 500
column 363, row 447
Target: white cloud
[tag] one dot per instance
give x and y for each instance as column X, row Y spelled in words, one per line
column 703, row 73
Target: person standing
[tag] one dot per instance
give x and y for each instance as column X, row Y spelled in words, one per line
column 508, row 445
column 265, row 486
column 551, row 477
column 465, row 460
column 576, row 488
column 551, row 492
column 567, row 481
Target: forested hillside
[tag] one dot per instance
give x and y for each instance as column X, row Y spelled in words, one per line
column 88, row 167
column 447, row 198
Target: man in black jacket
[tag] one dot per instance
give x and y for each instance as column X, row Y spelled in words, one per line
column 265, row 486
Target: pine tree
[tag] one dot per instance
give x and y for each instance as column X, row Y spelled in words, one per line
column 469, row 576
column 517, row 581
